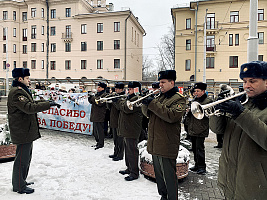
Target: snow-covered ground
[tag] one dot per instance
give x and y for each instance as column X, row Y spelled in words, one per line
column 65, row 167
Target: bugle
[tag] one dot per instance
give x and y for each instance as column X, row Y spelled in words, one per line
column 199, row 111
column 131, row 105
column 105, row 99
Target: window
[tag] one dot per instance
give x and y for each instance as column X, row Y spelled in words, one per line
column 24, row 34
column 233, row 61
column 83, row 46
column 33, row 64
column 116, row 26
column 134, row 37
column 260, row 57
column 33, row 47
column 42, row 30
column 14, row 48
column 188, row 23
column 99, row 45
column 53, row 30
column 53, row 65
column 68, row 31
column 137, row 39
column 67, row 47
column 53, row 13
column 5, row 15
column 83, row 64
column 42, row 12
column 100, row 27
column 4, row 33
column 231, row 40
column 24, row 16
column 236, row 39
column 24, row 49
column 42, row 47
column 4, row 64
column 15, row 64
column 116, row 44
column 211, row 21
column 42, row 64
column 68, row 12
column 14, row 32
column 132, row 34
column 100, row 64
column 83, row 29
column 4, row 48
column 116, row 63
column 14, row 15
column 209, row 62
column 67, row 64
column 187, row 65
column 233, row 80
column 234, row 16
column 24, row 64
column 53, row 47
column 33, row 32
column 188, row 44
column 261, row 37
column 260, row 14
column 33, row 12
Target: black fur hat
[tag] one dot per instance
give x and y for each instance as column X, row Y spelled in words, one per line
column 168, row 74
column 255, row 69
column 102, row 84
column 20, row 72
column 119, row 85
column 134, row 84
column 155, row 85
column 200, row 85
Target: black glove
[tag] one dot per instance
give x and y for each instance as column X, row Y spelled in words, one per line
column 233, row 107
column 147, row 100
column 52, row 103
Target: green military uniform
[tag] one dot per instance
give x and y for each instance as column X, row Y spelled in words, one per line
column 98, row 112
column 243, row 162
column 24, row 129
column 165, row 114
column 130, row 126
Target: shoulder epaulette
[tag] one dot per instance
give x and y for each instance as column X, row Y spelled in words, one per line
column 180, row 94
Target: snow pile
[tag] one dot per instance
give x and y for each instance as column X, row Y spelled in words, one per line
column 4, row 135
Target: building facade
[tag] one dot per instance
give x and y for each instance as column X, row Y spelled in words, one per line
column 70, row 39
column 227, row 31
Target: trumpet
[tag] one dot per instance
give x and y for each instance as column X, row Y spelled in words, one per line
column 105, row 99
column 199, row 111
column 131, row 105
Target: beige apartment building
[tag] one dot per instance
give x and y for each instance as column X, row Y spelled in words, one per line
column 227, row 31
column 70, row 39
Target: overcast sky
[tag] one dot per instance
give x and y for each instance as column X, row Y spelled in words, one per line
column 153, row 15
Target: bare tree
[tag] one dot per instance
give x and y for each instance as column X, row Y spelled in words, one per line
column 166, row 51
column 148, row 69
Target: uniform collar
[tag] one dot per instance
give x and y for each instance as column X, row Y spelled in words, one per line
column 261, row 100
column 171, row 92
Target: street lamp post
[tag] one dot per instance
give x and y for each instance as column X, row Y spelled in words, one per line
column 7, row 64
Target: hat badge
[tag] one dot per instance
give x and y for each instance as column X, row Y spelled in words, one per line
column 245, row 69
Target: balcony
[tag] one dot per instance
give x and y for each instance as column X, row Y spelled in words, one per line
column 212, row 29
column 211, row 50
column 67, row 37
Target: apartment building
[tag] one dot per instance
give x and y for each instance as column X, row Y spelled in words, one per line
column 70, row 39
column 227, row 31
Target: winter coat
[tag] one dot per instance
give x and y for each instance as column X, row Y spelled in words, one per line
column 165, row 113
column 199, row 127
column 22, row 117
column 98, row 110
column 130, row 121
column 243, row 162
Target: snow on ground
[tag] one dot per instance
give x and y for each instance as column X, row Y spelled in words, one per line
column 65, row 167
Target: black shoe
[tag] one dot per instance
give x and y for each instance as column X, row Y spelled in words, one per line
column 30, row 183
column 201, row 171
column 112, row 156
column 123, row 172
column 130, row 178
column 117, row 158
column 94, row 146
column 98, row 147
column 27, row 190
column 194, row 169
